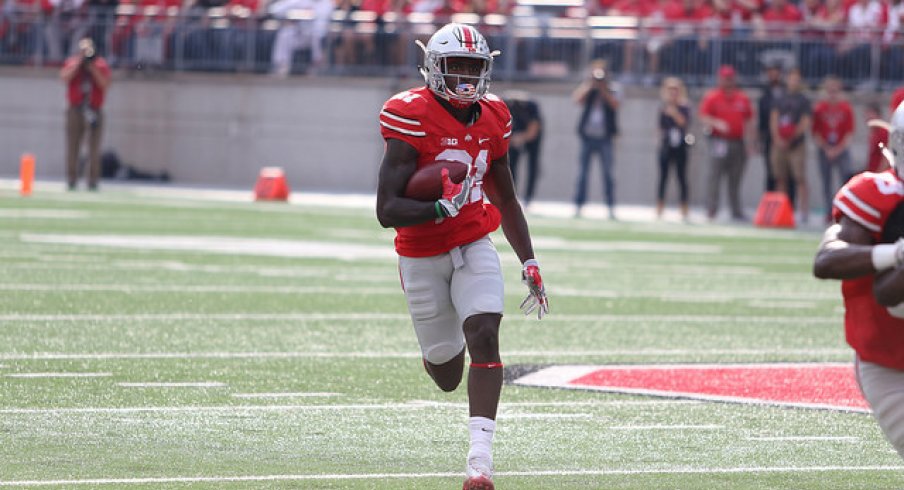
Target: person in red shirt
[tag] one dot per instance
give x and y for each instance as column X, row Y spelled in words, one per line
column 87, row 77
column 726, row 112
column 878, row 138
column 448, row 265
column 864, row 249
column 833, row 128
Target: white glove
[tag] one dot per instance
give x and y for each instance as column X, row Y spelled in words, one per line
column 455, row 196
column 536, row 299
column 888, row 255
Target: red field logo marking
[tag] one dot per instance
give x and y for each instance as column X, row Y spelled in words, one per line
column 830, row 386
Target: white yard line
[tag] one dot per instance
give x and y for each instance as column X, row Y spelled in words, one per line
column 411, row 405
column 189, row 384
column 805, row 438
column 544, row 416
column 239, row 316
column 761, row 299
column 58, row 375
column 409, row 476
column 285, row 395
column 666, row 427
column 44, row 356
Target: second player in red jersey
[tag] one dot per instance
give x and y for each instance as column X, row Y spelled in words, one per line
column 859, row 250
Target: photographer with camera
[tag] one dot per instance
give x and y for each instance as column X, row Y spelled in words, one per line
column 87, row 77
column 597, row 129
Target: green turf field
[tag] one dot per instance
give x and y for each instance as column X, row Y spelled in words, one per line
column 152, row 341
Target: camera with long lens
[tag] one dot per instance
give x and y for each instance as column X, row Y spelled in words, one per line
column 89, row 54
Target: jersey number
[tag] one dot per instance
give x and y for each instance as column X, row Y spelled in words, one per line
column 479, row 168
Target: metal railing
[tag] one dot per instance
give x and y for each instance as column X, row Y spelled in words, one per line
column 537, row 44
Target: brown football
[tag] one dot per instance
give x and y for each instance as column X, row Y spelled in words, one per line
column 426, row 183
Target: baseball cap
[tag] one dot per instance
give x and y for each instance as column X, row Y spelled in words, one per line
column 726, row 71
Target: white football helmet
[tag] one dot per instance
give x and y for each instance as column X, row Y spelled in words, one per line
column 894, row 151
column 456, row 41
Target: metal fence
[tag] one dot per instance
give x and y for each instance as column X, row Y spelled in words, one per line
column 539, row 46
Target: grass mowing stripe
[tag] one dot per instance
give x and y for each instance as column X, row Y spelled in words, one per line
column 186, row 384
column 384, row 476
column 58, row 375
column 693, row 296
column 113, row 317
column 411, row 405
column 45, row 356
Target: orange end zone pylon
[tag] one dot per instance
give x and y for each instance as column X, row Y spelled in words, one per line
column 774, row 211
column 271, row 185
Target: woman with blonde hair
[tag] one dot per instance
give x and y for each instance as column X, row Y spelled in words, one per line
column 674, row 120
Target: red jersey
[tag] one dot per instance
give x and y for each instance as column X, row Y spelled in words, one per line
column 75, row 92
column 876, row 161
column 732, row 107
column 870, row 329
column 417, row 118
column 833, row 121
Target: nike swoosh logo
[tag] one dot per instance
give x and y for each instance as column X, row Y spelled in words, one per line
column 485, row 430
column 444, row 42
column 481, row 141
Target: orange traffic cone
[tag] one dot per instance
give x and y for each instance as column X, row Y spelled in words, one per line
column 271, row 185
column 774, row 211
column 26, row 173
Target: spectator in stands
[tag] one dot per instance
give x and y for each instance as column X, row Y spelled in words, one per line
column 725, row 112
column 829, row 30
column 298, row 34
column 878, row 138
column 101, row 18
column 87, row 78
column 674, row 120
column 651, row 16
column 892, row 56
column 773, row 90
column 780, row 20
column 352, row 47
column 789, row 123
column 866, row 18
column 65, row 25
column 527, row 133
column 689, row 52
column 597, row 129
column 833, row 129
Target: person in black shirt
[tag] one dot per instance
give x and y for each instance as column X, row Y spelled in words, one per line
column 527, row 130
column 773, row 90
column 674, row 118
column 597, row 129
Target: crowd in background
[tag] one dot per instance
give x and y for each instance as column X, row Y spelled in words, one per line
column 653, row 37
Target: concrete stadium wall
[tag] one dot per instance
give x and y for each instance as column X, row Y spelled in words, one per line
column 219, row 130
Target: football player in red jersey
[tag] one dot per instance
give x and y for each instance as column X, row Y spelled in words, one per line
column 872, row 280
column 449, row 267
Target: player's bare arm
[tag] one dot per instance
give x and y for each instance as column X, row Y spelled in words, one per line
column 847, row 252
column 393, row 208
column 500, row 189
column 888, row 288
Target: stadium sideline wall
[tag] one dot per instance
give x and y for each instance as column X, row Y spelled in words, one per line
column 219, row 130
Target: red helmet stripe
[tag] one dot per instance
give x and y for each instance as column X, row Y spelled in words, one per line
column 468, row 39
